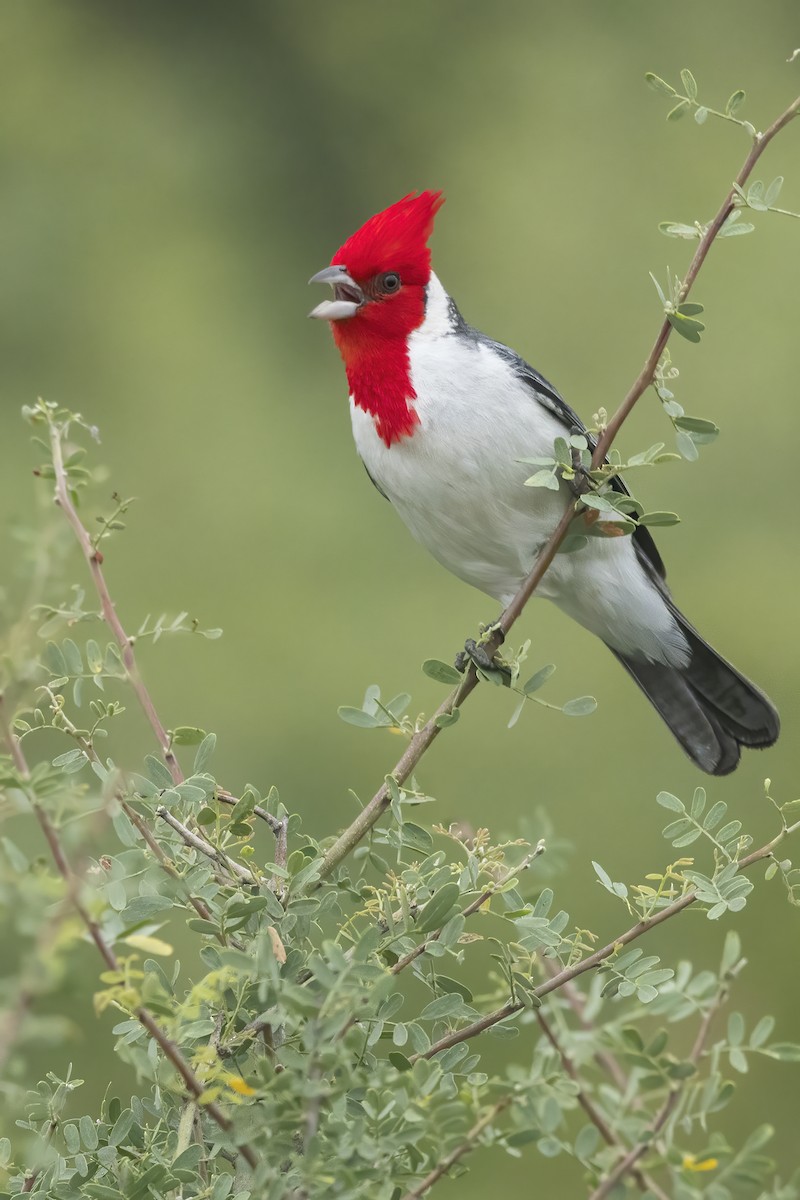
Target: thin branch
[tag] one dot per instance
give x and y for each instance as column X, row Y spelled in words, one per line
column 93, row 559
column 450, row 1160
column 576, row 1001
column 567, row 974
column 198, row 843
column 130, row 812
column 471, row 908
column 628, row 1163
column 142, row 1014
column 423, row 739
column 643, row 1181
column 276, row 825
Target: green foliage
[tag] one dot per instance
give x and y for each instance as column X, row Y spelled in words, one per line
column 324, row 1036
column 333, row 1021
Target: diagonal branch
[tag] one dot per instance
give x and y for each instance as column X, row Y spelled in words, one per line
column 423, row 739
column 643, row 1181
column 450, row 1160
column 168, row 1048
column 628, row 1163
column 567, row 974
column 93, row 560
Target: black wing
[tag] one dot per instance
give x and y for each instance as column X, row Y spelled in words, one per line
column 545, row 394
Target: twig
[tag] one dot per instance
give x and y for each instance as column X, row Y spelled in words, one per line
column 93, row 560
column 567, row 974
column 277, row 826
column 575, row 1000
column 460, row 1151
column 423, row 739
column 198, row 843
column 643, row 1181
column 142, row 1014
column 628, row 1163
column 471, row 908
column 130, row 812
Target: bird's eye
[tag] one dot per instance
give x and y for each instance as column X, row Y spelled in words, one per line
column 390, row 282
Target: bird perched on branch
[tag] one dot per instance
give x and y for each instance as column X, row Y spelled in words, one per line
column 441, row 417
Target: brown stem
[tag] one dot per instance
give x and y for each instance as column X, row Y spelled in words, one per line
column 93, row 559
column 276, row 825
column 142, row 1014
column 198, row 843
column 424, row 738
column 567, row 974
column 471, row 908
column 628, row 1163
column 643, row 1182
column 454, row 1156
column 575, row 1000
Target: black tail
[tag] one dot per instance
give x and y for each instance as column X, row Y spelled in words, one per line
column 711, row 709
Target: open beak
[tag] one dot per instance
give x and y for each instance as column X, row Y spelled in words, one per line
column 347, row 295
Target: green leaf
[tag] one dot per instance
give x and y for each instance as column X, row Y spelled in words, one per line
column 143, row 908
column 187, row 735
column 678, row 111
column 659, row 518
column 689, row 83
column 443, row 1008
column 784, row 1051
column 545, row 479
column 687, row 327
column 686, row 446
column 445, row 719
column 659, row 85
column 735, row 102
column 667, row 800
column 442, row 672
column 701, row 115
column 678, row 230
column 439, row 908
column 539, row 679
column 701, row 430
column 357, row 716
column 581, row 706
column 204, row 753
column 773, row 191
column 122, row 1128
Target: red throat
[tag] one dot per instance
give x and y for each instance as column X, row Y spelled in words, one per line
column 374, row 342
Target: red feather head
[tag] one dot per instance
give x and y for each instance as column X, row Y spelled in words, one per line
column 389, row 263
column 393, row 240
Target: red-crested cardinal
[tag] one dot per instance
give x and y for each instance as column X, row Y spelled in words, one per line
column 441, row 417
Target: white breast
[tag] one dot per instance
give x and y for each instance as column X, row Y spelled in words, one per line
column 458, row 486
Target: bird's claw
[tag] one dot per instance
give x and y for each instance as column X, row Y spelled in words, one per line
column 476, row 652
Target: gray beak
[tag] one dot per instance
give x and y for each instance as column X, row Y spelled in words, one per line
column 347, row 295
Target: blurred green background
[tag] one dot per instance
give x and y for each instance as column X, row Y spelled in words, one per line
column 172, row 174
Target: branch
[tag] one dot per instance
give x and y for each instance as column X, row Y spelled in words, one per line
column 93, row 560
column 628, row 1163
column 471, row 908
column 454, row 1156
column 142, row 1014
column 643, row 1182
column 133, row 816
column 277, row 826
column 424, row 738
column 198, row 843
column 567, row 974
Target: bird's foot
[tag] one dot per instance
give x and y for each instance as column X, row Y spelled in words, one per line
column 476, row 652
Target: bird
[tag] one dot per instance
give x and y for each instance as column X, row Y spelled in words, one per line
column 442, row 415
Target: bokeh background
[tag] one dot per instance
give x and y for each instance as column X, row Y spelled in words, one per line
column 172, row 174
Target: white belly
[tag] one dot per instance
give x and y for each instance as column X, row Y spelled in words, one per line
column 458, row 486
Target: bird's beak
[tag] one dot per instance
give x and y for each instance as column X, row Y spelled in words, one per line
column 347, row 295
